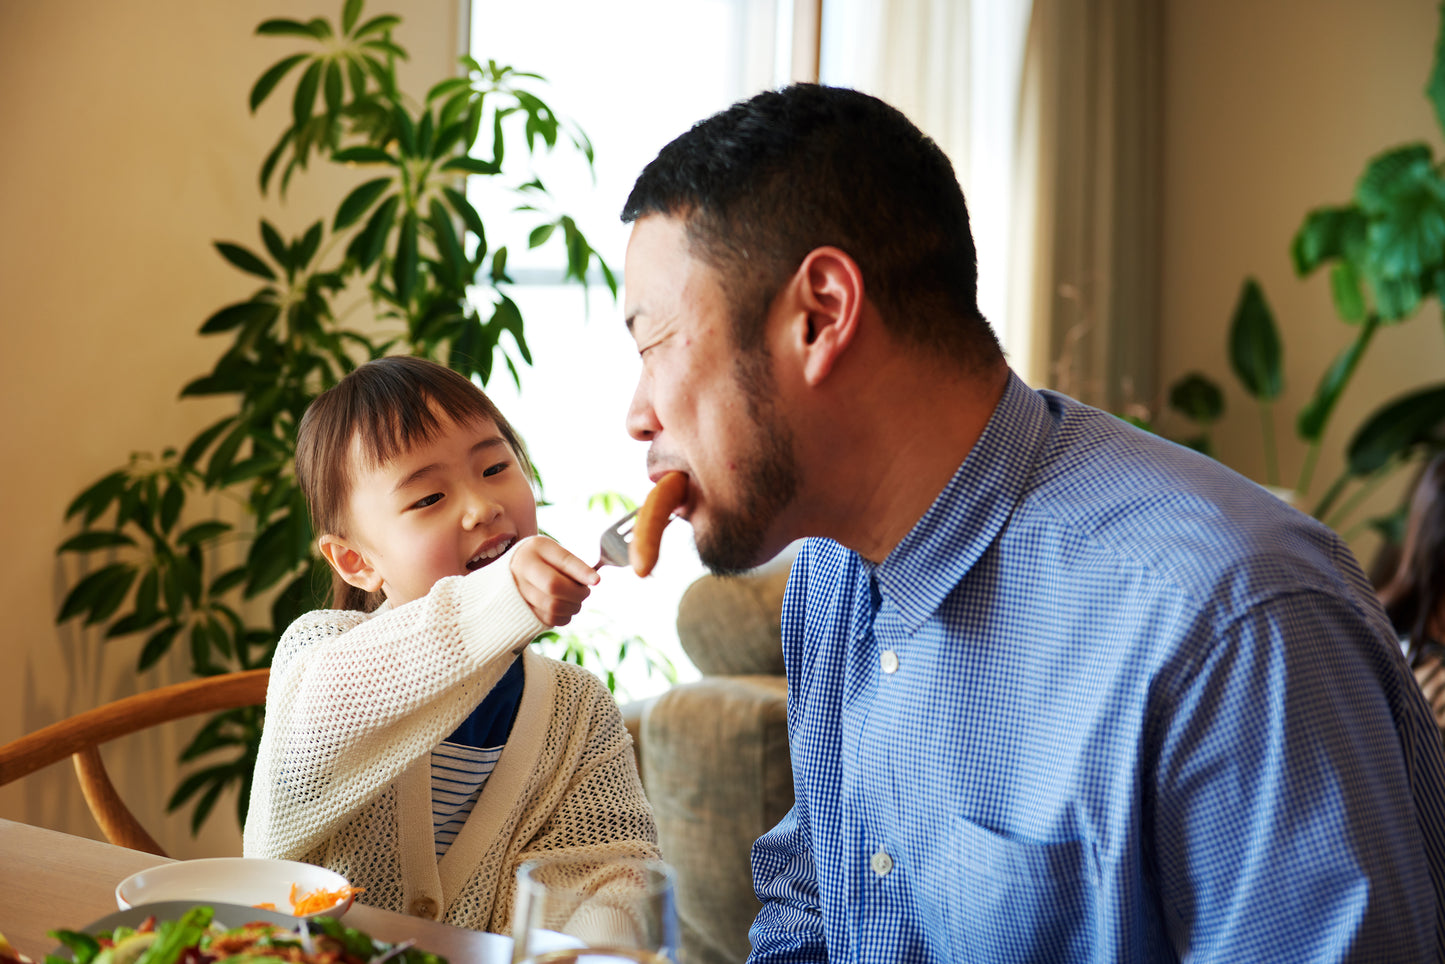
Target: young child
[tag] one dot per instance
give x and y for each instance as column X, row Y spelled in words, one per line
column 406, row 746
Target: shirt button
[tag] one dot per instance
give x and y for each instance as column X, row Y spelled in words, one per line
column 881, row 863
column 424, row 907
column 889, row 661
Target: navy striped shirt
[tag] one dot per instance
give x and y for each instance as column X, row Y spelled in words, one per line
column 461, row 764
column 1108, row 701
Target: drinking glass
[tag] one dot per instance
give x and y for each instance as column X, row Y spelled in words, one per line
column 572, row 910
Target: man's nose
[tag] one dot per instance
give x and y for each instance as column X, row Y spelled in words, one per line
column 642, row 423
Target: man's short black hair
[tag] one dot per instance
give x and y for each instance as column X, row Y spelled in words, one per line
column 761, row 184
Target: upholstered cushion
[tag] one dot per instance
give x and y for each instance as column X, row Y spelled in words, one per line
column 715, row 755
column 728, row 625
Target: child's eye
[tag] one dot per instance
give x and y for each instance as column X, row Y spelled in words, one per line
column 425, row 501
column 492, row 470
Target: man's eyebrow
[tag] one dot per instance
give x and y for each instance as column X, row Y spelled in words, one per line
column 489, row 442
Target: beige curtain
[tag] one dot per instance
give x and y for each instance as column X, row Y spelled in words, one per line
column 1050, row 112
column 1085, row 259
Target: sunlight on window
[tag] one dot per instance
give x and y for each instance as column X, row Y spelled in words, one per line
column 633, row 74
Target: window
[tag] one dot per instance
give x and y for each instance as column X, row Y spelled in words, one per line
column 633, row 74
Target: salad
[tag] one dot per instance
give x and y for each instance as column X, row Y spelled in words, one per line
column 195, row 938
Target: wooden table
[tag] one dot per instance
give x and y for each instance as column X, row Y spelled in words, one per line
column 50, row 880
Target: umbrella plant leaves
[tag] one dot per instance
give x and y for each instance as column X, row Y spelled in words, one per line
column 1254, row 346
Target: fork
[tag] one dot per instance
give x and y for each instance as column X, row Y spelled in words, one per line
column 615, row 539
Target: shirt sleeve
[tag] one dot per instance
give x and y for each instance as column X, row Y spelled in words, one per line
column 1282, row 810
column 789, row 928
column 355, row 698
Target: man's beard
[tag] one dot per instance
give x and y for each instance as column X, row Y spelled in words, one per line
column 736, row 536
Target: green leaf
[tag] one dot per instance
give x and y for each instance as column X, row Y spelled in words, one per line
column 499, row 264
column 157, row 646
column 1197, row 397
column 99, row 496
column 1327, row 233
column 245, row 260
column 202, row 532
column 1390, row 173
column 268, row 166
column 234, row 316
column 540, row 234
column 1345, row 288
column 1254, row 346
column 1313, row 418
column 334, row 88
column 193, row 783
column 448, row 246
column 470, row 218
column 270, row 557
column 358, row 202
column 364, row 155
column 229, row 580
column 1435, row 89
column 445, row 88
column 608, row 277
column 305, row 249
column 304, row 100
column 275, row 245
column 171, row 504
column 404, row 268
column 377, row 25
column 1395, row 428
column 133, row 622
column 99, row 594
column 370, row 241
column 203, row 441
column 285, row 28
column 271, row 78
column 93, row 539
column 472, row 165
column 349, row 15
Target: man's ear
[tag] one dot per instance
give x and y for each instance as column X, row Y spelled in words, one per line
column 349, row 563
column 826, row 299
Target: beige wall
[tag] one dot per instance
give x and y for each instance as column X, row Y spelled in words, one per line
column 1272, row 109
column 128, row 149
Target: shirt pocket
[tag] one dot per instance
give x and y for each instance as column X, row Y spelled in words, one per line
column 1023, row 901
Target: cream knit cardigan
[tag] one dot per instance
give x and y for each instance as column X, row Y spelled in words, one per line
column 355, row 705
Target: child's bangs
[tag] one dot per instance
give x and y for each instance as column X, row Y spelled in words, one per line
column 415, row 414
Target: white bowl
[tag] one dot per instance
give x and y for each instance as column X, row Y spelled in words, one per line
column 231, row 880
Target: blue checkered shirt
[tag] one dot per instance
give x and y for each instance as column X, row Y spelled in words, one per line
column 1108, row 701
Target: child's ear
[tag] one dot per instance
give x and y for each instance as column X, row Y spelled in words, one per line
column 349, row 563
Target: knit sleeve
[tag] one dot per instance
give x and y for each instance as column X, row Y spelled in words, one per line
column 354, row 698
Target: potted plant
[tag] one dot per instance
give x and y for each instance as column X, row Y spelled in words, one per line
column 1385, row 252
column 404, row 264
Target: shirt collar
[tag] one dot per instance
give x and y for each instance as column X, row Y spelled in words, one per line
column 970, row 511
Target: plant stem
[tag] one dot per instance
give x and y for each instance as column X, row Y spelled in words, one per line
column 1271, row 454
column 1370, row 484
column 1331, row 494
column 1307, row 471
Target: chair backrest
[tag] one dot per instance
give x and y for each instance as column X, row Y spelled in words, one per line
column 79, row 736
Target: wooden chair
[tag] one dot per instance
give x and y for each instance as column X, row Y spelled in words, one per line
column 80, row 736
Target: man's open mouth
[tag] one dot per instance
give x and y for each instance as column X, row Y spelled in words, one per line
column 489, row 552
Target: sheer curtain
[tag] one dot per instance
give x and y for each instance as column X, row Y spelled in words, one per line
column 1049, row 110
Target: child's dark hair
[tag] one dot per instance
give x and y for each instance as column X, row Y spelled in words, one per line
column 389, row 405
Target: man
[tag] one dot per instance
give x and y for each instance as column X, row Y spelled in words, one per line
column 1059, row 690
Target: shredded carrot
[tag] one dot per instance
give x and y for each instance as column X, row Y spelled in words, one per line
column 264, row 905
column 320, row 899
